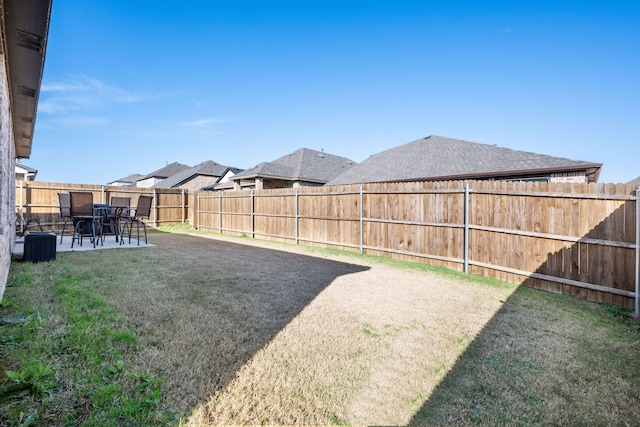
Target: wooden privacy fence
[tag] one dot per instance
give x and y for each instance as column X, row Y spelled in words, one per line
column 577, row 239
column 40, row 200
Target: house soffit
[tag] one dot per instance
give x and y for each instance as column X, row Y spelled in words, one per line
column 25, row 26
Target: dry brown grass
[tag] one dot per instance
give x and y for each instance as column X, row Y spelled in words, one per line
column 250, row 332
column 364, row 351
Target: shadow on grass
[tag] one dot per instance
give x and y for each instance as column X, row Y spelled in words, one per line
column 543, row 359
column 207, row 306
column 476, row 385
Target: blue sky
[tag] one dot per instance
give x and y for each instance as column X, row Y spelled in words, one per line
column 130, row 86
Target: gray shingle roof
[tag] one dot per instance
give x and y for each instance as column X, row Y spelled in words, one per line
column 303, row 164
column 635, row 181
column 167, row 171
column 26, row 168
column 219, row 186
column 131, row 178
column 436, row 157
column 208, row 168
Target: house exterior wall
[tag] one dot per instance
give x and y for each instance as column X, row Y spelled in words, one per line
column 148, row 183
column 23, row 174
column 298, row 184
column 121, row 184
column 574, row 177
column 227, row 176
column 7, row 180
column 198, row 181
column 271, row 184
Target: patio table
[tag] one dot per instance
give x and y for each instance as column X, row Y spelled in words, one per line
column 110, row 217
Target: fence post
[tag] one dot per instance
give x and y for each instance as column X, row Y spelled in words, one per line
column 466, row 228
column 296, row 217
column 220, row 212
column 361, row 223
column 155, row 202
column 637, row 308
column 253, row 234
column 196, row 214
column 183, row 210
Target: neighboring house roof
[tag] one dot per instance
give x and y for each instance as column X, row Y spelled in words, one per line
column 26, row 169
column 167, row 171
column 206, row 168
column 131, row 179
column 635, row 181
column 303, row 164
column 232, row 170
column 25, row 172
column 219, row 186
column 438, row 158
column 222, row 183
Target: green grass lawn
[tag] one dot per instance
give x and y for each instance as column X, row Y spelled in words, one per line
column 167, row 336
column 62, row 349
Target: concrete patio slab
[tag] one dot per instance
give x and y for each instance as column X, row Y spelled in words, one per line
column 65, row 246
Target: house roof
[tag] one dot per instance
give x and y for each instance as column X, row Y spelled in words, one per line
column 635, row 181
column 25, row 29
column 27, row 169
column 303, row 164
column 167, row 171
column 437, row 158
column 131, row 178
column 219, row 186
column 207, row 168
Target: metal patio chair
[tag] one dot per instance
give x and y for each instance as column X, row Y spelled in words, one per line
column 85, row 220
column 143, row 211
column 118, row 207
column 64, row 201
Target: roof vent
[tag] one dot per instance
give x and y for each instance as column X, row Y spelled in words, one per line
column 29, row 40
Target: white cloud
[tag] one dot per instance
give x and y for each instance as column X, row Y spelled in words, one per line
column 204, row 122
column 83, row 93
column 64, row 87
